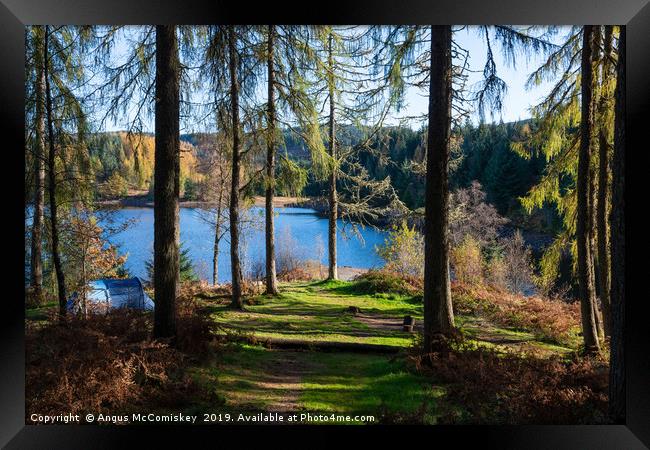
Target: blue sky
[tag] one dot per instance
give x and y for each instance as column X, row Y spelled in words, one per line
column 518, row 99
column 516, row 103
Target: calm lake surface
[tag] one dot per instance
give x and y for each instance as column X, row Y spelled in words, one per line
column 298, row 229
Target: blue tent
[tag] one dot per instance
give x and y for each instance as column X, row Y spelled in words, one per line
column 114, row 293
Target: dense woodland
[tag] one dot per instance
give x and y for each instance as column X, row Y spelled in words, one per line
column 484, row 155
column 302, row 111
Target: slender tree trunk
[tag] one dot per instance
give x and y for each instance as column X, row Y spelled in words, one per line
column 218, row 216
column 593, row 248
column 56, row 257
column 603, row 191
column 438, row 313
column 39, row 176
column 84, row 282
column 234, row 187
column 271, row 279
column 166, row 182
column 217, row 229
column 595, row 97
column 333, row 198
column 617, row 246
column 585, row 262
column 215, row 254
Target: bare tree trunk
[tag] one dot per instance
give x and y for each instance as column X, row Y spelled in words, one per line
column 39, row 176
column 166, row 182
column 438, row 313
column 333, row 199
column 592, row 206
column 593, row 249
column 271, row 279
column 56, row 257
column 603, row 191
column 215, row 254
column 585, row 262
column 218, row 218
column 84, row 282
column 234, row 187
column 595, row 96
column 617, row 246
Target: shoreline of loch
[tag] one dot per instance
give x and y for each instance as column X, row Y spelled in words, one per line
column 143, row 201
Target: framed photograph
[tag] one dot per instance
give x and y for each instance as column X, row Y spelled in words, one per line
column 405, row 221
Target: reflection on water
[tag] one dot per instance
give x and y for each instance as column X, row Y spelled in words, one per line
column 300, row 227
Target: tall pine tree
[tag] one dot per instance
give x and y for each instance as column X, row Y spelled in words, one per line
column 166, row 181
column 438, row 312
column 586, row 288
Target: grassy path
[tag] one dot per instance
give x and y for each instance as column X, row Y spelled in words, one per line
column 254, row 378
column 319, row 312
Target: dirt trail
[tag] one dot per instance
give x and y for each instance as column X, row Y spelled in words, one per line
column 285, row 372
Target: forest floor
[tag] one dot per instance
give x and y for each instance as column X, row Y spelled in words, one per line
column 306, row 351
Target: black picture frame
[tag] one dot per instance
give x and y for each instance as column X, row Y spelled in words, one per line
column 15, row 14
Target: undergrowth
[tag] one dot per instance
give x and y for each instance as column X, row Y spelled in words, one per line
column 383, row 281
column 551, row 320
column 109, row 363
column 484, row 386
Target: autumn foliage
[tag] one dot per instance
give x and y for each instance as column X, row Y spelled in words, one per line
column 552, row 320
column 108, row 363
column 497, row 388
column 377, row 281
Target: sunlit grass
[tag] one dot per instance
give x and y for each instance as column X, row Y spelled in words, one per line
column 342, row 383
column 318, row 312
column 358, row 384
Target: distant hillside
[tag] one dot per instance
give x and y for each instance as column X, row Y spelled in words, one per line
column 480, row 153
column 121, row 161
column 204, row 143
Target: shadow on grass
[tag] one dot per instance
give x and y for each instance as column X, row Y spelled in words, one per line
column 335, row 325
column 41, row 313
column 340, row 383
column 354, row 289
column 320, row 311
